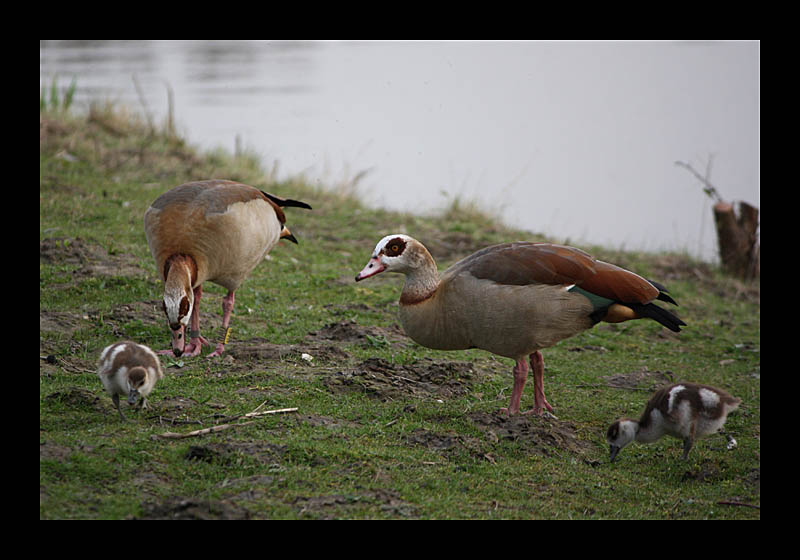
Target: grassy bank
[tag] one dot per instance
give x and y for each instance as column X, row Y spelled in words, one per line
column 384, row 427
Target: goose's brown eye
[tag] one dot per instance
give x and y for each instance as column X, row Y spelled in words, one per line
column 394, row 247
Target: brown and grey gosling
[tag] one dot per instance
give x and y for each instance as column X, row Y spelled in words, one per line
column 216, row 231
column 513, row 299
column 687, row 411
column 129, row 369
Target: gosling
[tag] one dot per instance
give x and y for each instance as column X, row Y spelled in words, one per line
column 130, row 369
column 687, row 411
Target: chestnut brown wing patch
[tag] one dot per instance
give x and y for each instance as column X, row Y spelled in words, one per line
column 616, row 283
column 520, row 264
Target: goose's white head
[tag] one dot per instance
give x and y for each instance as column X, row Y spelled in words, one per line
column 393, row 253
column 178, row 302
column 620, row 434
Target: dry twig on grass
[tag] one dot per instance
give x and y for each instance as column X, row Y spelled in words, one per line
column 219, row 428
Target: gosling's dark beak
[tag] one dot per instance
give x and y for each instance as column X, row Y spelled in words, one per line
column 286, row 234
column 132, row 396
column 614, row 449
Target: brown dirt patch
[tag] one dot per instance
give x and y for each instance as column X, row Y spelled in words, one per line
column 706, row 471
column 434, row 441
column 61, row 322
column 536, row 434
column 193, row 508
column 642, row 379
column 382, row 379
column 261, row 451
column 173, row 406
column 148, row 312
column 255, row 349
column 340, row 506
column 54, row 451
column 93, row 259
column 324, row 421
column 351, row 332
column 75, row 397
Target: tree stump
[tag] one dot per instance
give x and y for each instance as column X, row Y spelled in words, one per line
column 739, row 247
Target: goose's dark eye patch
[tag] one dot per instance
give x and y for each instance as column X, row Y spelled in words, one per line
column 184, row 307
column 395, row 247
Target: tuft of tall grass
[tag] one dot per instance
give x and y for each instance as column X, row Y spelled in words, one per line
column 54, row 100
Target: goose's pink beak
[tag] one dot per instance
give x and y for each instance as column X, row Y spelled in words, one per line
column 374, row 266
column 178, row 340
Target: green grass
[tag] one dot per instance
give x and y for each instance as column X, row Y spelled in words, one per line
column 415, row 437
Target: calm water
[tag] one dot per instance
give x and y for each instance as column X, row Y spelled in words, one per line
column 575, row 140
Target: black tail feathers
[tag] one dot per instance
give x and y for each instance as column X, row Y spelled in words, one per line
column 652, row 311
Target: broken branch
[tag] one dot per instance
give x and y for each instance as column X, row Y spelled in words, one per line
column 219, row 428
column 204, row 431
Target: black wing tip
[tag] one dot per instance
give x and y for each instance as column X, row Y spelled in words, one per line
column 283, row 202
column 663, row 293
column 664, row 296
column 296, row 204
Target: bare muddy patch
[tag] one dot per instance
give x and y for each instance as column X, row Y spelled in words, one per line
column 193, row 508
column 173, row 406
column 323, row 421
column 54, row 451
column 344, row 506
column 148, row 312
column 349, row 331
column 643, row 379
column 433, row 440
column 62, row 322
column 382, row 379
column 536, row 434
column 91, row 259
column 257, row 349
column 227, row 452
column 76, row 397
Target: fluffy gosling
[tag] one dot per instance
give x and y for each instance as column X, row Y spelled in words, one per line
column 687, row 411
column 130, row 369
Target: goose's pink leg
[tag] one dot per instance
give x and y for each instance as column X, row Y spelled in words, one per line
column 196, row 342
column 537, row 365
column 227, row 310
column 520, row 376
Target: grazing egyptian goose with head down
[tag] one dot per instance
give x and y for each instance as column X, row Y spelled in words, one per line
column 687, row 411
column 129, row 369
column 210, row 230
column 513, row 299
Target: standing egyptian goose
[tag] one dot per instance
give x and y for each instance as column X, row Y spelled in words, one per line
column 130, row 369
column 513, row 299
column 210, row 230
column 687, row 411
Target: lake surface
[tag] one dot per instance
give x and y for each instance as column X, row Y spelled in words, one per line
column 577, row 140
